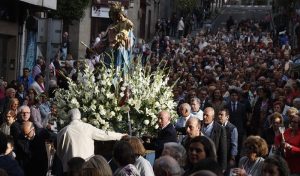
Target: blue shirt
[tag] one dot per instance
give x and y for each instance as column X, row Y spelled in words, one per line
column 26, row 82
column 207, row 129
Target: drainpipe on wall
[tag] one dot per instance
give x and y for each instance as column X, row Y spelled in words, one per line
column 21, row 49
column 48, row 55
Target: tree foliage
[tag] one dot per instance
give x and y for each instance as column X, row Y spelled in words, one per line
column 186, row 6
column 286, row 3
column 261, row 2
column 70, row 10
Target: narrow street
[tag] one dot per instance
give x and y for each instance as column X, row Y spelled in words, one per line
column 240, row 12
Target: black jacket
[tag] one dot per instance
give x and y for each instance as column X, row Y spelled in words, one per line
column 168, row 134
column 218, row 136
column 10, row 166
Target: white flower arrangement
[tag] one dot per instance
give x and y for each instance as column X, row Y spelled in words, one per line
column 106, row 99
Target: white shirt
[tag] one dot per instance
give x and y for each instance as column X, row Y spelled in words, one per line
column 144, row 166
column 165, row 126
column 198, row 114
column 38, row 89
column 77, row 140
column 180, row 26
column 181, row 121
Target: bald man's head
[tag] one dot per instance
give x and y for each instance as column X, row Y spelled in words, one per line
column 28, row 130
column 193, row 127
column 163, row 118
column 208, row 115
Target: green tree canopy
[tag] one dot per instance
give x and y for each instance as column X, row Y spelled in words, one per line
column 186, row 6
column 286, row 3
column 70, row 10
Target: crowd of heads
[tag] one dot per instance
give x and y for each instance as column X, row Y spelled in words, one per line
column 245, row 63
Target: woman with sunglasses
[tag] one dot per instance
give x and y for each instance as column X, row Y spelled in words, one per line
column 289, row 141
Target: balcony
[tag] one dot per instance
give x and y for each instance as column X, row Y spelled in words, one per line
column 51, row 4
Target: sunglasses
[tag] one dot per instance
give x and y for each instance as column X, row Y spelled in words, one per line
column 27, row 134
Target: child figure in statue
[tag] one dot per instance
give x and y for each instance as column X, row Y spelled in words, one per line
column 119, row 30
column 120, row 36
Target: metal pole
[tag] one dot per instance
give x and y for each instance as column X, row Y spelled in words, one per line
column 129, row 124
column 48, row 55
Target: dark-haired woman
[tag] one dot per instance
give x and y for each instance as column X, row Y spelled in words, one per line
column 275, row 166
column 124, row 155
column 200, row 148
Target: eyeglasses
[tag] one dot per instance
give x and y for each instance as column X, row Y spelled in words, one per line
column 27, row 134
column 25, row 112
column 276, row 123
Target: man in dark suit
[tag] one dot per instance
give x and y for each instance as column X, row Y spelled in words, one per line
column 232, row 137
column 238, row 116
column 35, row 150
column 217, row 134
column 166, row 133
column 203, row 94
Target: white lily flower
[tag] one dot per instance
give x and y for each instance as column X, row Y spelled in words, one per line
column 146, row 122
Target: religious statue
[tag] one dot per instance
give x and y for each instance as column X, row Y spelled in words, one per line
column 118, row 37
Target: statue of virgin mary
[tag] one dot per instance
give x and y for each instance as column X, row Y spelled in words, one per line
column 119, row 38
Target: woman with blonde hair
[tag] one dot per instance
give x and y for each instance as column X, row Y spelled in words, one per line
column 292, row 111
column 255, row 148
column 96, row 166
column 13, row 105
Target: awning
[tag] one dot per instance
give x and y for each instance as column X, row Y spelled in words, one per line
column 51, row 4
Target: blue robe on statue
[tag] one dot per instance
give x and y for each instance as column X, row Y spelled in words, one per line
column 122, row 55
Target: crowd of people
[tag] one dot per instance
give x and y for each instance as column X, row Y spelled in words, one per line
column 238, row 113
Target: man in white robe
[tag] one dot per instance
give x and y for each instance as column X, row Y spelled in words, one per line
column 77, row 139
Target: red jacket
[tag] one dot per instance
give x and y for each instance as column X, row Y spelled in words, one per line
column 292, row 156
